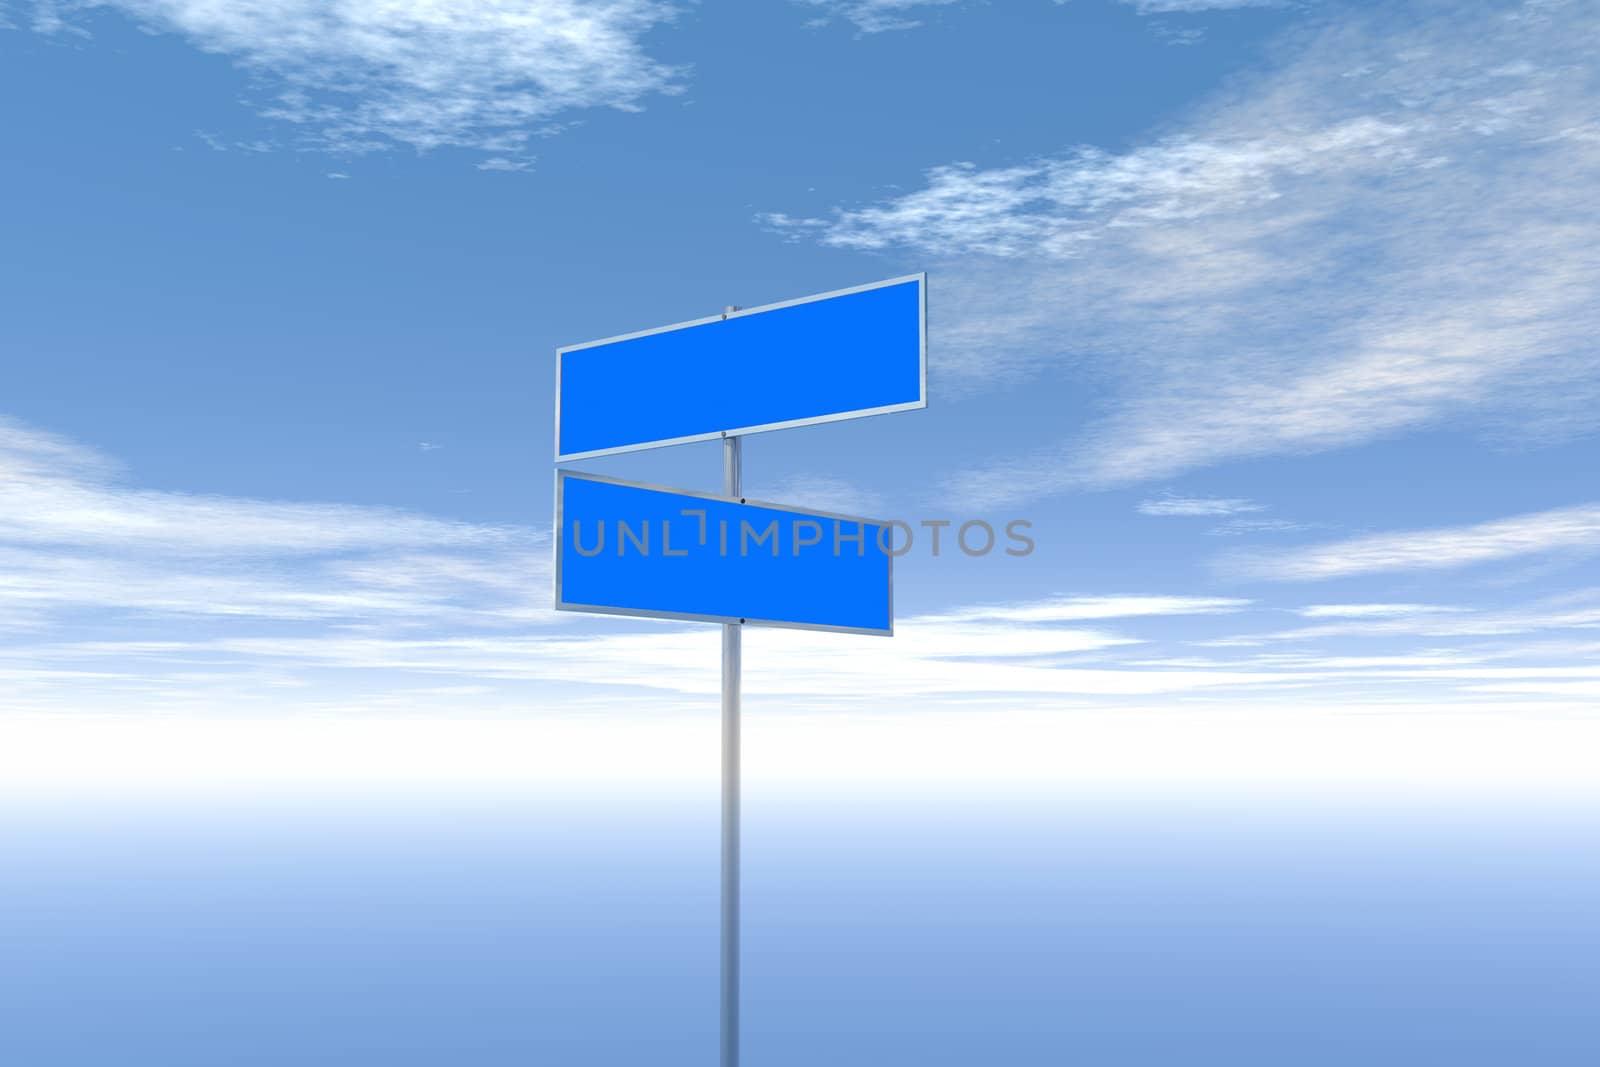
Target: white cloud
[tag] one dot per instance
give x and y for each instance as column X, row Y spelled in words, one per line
column 1576, row 610
column 1077, row 608
column 1168, row 504
column 1062, row 207
column 74, row 537
column 54, row 493
column 1380, row 232
column 1179, row 36
column 356, row 75
column 876, row 16
column 416, row 587
column 29, row 453
column 1575, row 528
column 508, row 166
column 1188, row 7
column 1368, row 611
column 1240, row 527
column 1586, row 690
column 823, row 494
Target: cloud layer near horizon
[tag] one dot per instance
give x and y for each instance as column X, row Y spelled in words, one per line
column 127, row 601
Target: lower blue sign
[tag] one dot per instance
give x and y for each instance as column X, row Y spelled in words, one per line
column 628, row 549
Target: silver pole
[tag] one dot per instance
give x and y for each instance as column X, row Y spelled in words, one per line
column 732, row 478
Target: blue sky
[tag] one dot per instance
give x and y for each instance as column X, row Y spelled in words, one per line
column 1276, row 320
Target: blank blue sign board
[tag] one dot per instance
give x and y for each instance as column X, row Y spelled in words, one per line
column 628, row 549
column 839, row 355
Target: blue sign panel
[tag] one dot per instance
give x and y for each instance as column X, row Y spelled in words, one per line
column 629, row 549
column 840, row 355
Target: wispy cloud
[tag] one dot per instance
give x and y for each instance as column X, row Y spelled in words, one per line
column 1571, row 529
column 358, row 75
column 1392, row 623
column 1080, row 608
column 1379, row 233
column 1170, row 504
column 506, row 166
column 74, row 537
column 1245, row 527
column 875, row 16
column 1179, row 36
column 1186, row 7
column 52, row 492
column 1063, row 207
column 824, row 494
column 1368, row 611
column 1587, row 690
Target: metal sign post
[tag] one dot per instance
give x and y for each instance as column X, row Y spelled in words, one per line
column 839, row 355
column 732, row 640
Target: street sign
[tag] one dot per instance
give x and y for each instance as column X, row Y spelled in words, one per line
column 624, row 548
column 839, row 355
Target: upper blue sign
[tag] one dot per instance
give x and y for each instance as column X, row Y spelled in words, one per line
column 629, row 549
column 841, row 355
